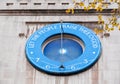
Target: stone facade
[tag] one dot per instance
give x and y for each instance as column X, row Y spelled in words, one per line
column 20, row 18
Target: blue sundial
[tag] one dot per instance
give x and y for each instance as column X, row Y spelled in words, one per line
column 63, row 48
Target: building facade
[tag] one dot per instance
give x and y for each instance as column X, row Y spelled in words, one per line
column 21, row 18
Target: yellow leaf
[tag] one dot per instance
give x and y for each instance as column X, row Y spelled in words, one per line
column 112, row 29
column 111, row 0
column 115, row 1
column 109, row 30
column 96, row 30
column 68, row 11
column 95, row 1
column 106, row 27
column 81, row 4
column 114, row 19
column 100, row 0
column 101, row 22
column 88, row 8
column 115, row 24
column 102, row 30
column 72, row 11
column 92, row 5
column 106, row 5
column 99, row 17
column 99, row 9
column 85, row 8
column 119, row 27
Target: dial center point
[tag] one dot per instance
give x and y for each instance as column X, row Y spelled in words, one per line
column 62, row 51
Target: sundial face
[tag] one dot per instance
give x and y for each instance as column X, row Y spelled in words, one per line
column 63, row 48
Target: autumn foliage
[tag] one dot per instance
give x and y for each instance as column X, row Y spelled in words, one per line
column 99, row 6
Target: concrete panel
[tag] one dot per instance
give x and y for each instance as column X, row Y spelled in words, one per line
column 15, row 69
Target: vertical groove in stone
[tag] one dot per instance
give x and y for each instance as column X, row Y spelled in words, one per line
column 95, row 74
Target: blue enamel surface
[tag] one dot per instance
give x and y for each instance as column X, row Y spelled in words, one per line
column 85, row 59
column 71, row 50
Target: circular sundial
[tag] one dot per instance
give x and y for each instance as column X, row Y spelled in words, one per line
column 63, row 48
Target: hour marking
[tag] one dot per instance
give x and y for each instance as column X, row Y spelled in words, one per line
column 37, row 59
column 86, row 61
column 47, row 66
column 72, row 67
